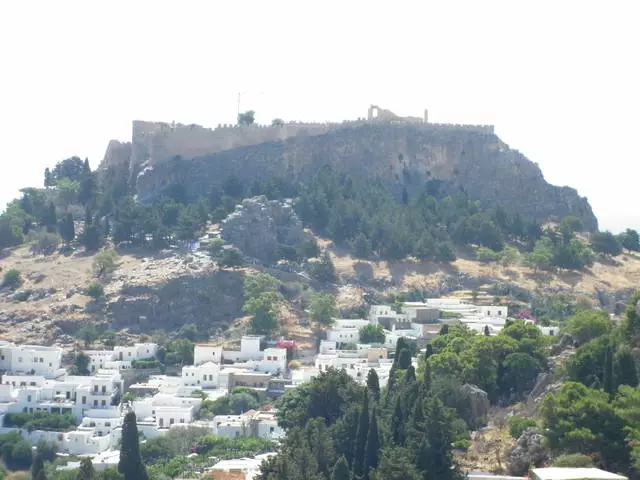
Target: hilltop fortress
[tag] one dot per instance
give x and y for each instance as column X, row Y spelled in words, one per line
column 405, row 152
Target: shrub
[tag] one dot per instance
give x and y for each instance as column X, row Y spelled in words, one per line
column 105, row 262
column 46, row 243
column 573, row 460
column 40, row 421
column 518, row 424
column 145, row 364
column 485, row 254
column 95, row 291
column 12, row 279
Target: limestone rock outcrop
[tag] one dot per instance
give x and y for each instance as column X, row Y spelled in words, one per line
column 480, row 404
column 404, row 156
column 529, row 452
column 259, row 227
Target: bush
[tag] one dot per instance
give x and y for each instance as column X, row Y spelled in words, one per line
column 485, row 254
column 40, row 421
column 45, row 243
column 518, row 424
column 105, row 262
column 573, row 460
column 95, row 291
column 372, row 334
column 146, row 364
column 12, row 279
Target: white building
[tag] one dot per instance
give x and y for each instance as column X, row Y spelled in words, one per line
column 138, row 351
column 31, row 359
column 205, row 353
column 205, row 375
column 274, row 361
column 346, row 330
column 249, row 350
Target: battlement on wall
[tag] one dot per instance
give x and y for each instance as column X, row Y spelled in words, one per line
column 154, row 142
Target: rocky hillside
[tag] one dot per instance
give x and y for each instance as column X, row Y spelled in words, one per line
column 405, row 156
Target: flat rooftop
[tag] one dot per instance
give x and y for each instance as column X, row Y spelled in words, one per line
column 557, row 473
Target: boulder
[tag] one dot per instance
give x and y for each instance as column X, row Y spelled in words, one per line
column 479, row 402
column 260, row 227
column 529, row 452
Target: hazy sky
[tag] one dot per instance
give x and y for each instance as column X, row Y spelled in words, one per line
column 559, row 80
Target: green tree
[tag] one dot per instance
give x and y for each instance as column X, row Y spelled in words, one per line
column 231, row 258
column 81, row 364
column 277, row 122
column 323, row 309
column 359, row 460
column 608, row 380
column 67, row 228
column 12, row 279
column 50, row 219
column 396, row 464
column 323, row 269
column 520, row 372
column 404, row 361
column 542, row 255
column 626, row 370
column 586, row 325
column 373, row 384
column 37, row 468
column 485, row 254
column 606, row 243
column 509, row 256
column 86, row 470
column 630, row 240
column 45, row 244
column 246, row 118
column 130, row 464
column 397, row 423
column 91, row 237
column 372, row 447
column 341, row 470
column 95, row 291
column 105, row 262
column 372, row 334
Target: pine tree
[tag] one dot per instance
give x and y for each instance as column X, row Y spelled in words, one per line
column 361, row 438
column 373, row 384
column 48, row 178
column 130, row 464
column 372, row 448
column 608, row 381
column 341, row 470
column 86, row 471
column 37, row 468
column 626, row 370
column 397, row 423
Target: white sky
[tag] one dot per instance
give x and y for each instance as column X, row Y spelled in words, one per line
column 559, row 79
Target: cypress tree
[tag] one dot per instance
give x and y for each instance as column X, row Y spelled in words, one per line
column 37, row 468
column 372, row 449
column 373, row 384
column 50, row 218
column 487, row 332
column 626, row 371
column 608, row 382
column 429, row 351
column 361, row 438
column 397, row 423
column 130, row 464
column 426, row 376
column 86, row 471
column 410, row 375
column 436, row 452
column 67, row 228
column 341, row 470
column 404, row 361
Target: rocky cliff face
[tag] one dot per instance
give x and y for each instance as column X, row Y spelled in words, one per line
column 404, row 156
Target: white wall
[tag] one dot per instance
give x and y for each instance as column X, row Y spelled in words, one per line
column 207, row 353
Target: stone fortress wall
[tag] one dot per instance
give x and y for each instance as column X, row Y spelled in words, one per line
column 154, row 142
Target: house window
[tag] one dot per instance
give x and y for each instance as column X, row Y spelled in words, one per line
column 28, row 398
column 92, row 424
column 95, row 388
column 182, row 420
column 95, row 403
column 57, row 393
column 171, row 421
column 68, row 395
column 104, row 389
column 50, row 364
column 107, row 424
column 104, row 403
column 41, row 360
column 84, row 400
column 129, row 354
column 35, row 359
column 33, row 384
column 19, row 359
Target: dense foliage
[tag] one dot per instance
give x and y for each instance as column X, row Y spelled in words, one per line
column 40, row 421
